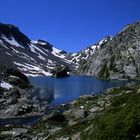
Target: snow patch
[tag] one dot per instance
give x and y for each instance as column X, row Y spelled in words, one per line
column 1, row 42
column 41, row 57
column 5, row 46
column 34, row 41
column 37, row 42
column 56, row 52
column 32, row 48
column 12, row 41
column 31, row 70
column 16, row 51
column 50, row 61
column 27, row 57
column 8, row 53
column 35, row 49
column 5, row 85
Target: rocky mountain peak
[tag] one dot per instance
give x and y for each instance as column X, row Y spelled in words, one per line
column 30, row 57
column 43, row 44
column 118, row 58
column 10, row 32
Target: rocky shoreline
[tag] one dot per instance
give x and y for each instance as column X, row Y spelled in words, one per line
column 88, row 117
column 81, row 118
column 14, row 95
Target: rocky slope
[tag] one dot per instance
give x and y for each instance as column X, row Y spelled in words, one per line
column 112, row 58
column 14, row 97
column 113, row 115
column 30, row 57
column 118, row 58
column 81, row 57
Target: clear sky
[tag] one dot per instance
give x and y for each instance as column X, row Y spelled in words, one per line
column 69, row 24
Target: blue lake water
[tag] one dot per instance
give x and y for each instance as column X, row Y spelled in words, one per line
column 60, row 91
column 63, row 90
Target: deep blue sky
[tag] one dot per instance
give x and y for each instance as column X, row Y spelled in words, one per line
column 69, row 24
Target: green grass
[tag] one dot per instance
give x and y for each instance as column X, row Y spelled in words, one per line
column 121, row 121
column 70, row 130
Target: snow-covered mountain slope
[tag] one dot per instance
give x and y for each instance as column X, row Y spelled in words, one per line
column 39, row 57
column 31, row 57
column 85, row 54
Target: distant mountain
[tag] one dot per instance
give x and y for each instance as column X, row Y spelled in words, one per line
column 117, row 58
column 81, row 57
column 30, row 57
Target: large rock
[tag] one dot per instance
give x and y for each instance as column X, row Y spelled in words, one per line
column 61, row 71
column 18, row 132
column 16, row 73
column 56, row 117
column 75, row 114
column 16, row 102
column 13, row 92
column 25, row 109
column 12, row 100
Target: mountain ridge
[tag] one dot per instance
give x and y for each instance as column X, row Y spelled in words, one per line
column 118, row 58
column 111, row 58
column 33, row 58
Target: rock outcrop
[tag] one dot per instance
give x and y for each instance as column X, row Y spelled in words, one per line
column 61, row 71
column 14, row 98
column 118, row 58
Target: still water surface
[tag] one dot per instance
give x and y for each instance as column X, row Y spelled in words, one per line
column 63, row 90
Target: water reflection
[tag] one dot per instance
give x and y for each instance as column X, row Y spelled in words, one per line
column 63, row 90
column 41, row 95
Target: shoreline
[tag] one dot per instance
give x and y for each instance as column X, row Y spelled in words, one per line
column 77, row 117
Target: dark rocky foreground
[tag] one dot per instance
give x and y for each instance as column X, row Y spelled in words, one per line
column 113, row 115
column 14, row 100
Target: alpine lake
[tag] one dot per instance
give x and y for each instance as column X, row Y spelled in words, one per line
column 60, row 91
